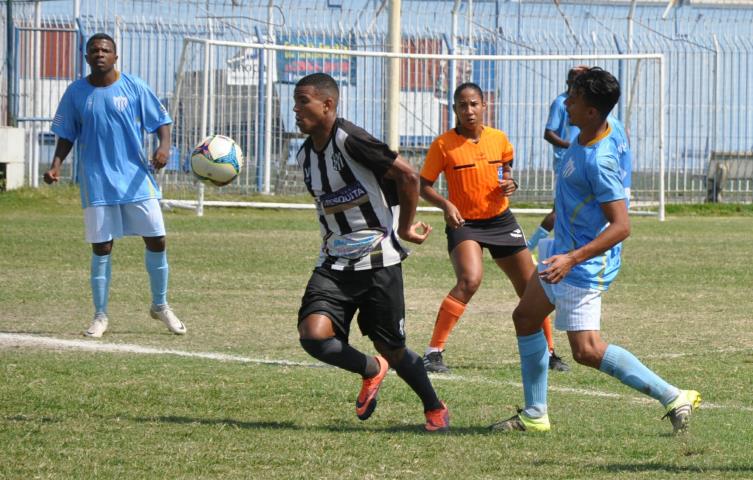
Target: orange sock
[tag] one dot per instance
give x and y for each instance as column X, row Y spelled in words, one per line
column 547, row 326
column 449, row 313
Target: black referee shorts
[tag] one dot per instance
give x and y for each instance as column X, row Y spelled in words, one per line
column 377, row 294
column 501, row 235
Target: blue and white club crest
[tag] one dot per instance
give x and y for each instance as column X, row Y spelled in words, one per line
column 569, row 168
column 120, row 102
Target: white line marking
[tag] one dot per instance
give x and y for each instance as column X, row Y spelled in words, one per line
column 21, row 340
column 17, row 340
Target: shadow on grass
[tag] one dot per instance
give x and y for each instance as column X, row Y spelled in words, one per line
column 293, row 426
column 676, row 469
column 655, row 469
column 218, row 421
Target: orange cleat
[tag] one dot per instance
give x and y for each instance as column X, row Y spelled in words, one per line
column 438, row 420
column 367, row 397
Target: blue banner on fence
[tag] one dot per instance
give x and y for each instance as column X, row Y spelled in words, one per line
column 292, row 66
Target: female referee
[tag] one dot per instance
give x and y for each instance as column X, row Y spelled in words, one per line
column 477, row 163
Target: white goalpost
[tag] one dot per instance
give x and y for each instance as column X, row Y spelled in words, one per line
column 244, row 90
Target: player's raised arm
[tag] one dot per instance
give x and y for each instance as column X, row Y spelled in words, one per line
column 407, row 182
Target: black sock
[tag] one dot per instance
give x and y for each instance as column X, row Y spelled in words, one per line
column 334, row 351
column 411, row 370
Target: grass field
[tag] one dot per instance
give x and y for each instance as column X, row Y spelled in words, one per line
column 682, row 303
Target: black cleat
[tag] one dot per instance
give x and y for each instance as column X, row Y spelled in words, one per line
column 556, row 363
column 433, row 363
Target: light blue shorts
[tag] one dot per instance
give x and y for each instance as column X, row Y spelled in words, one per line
column 108, row 222
column 576, row 308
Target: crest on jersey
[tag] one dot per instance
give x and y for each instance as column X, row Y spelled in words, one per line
column 120, row 102
column 569, row 168
column 337, row 161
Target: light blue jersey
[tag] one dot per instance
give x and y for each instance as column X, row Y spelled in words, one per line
column 587, row 177
column 108, row 124
column 620, row 139
column 559, row 123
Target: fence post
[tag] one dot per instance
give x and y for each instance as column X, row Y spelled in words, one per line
column 269, row 92
column 662, row 82
column 393, row 86
column 715, row 96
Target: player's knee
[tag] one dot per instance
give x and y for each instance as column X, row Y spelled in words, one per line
column 586, row 356
column 316, row 327
column 393, row 355
column 102, row 249
column 317, row 348
column 468, row 285
column 155, row 244
column 519, row 317
column 525, row 322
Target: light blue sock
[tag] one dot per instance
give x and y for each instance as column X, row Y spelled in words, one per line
column 625, row 367
column 156, row 266
column 534, row 366
column 99, row 276
column 537, row 236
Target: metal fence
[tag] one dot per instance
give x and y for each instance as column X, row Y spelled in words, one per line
column 709, row 109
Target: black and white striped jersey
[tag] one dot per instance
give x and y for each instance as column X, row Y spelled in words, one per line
column 357, row 207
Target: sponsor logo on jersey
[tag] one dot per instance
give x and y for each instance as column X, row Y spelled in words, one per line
column 347, row 197
column 120, row 102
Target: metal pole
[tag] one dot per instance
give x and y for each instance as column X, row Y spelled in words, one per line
column 715, row 94
column 469, row 26
column 269, row 92
column 452, row 70
column 204, row 126
column 662, row 82
column 36, row 94
column 10, row 62
column 259, row 115
column 630, row 25
column 393, row 78
column 118, row 41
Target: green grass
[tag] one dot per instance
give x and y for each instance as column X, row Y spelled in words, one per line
column 682, row 303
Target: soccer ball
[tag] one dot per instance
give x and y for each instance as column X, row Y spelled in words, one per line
column 217, row 159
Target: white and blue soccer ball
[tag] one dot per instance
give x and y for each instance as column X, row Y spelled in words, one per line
column 217, row 159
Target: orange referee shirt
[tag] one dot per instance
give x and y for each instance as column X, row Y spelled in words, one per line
column 471, row 170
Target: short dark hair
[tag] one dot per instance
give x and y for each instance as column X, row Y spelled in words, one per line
column 465, row 85
column 599, row 89
column 573, row 73
column 322, row 83
column 101, row 36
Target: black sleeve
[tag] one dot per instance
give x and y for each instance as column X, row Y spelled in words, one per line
column 367, row 150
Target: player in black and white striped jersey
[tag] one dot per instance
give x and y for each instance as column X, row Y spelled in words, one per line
column 358, row 209
column 366, row 197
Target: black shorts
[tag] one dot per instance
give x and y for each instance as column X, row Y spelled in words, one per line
column 377, row 294
column 501, row 235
